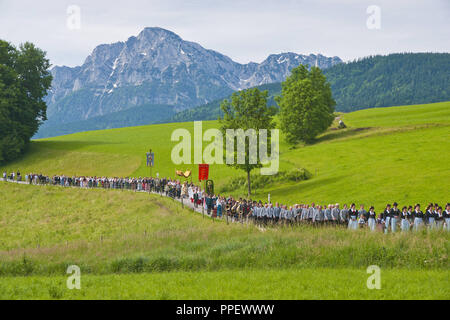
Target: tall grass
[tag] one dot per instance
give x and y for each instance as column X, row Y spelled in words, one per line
column 108, row 232
column 317, row 283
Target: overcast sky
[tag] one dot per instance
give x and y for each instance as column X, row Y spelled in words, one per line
column 243, row 30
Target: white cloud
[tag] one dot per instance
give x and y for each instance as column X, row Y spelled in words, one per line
column 244, row 30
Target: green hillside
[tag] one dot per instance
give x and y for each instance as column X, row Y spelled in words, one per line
column 139, row 246
column 370, row 82
column 384, row 155
column 395, row 79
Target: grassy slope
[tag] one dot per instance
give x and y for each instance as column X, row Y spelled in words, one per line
column 385, row 155
column 109, row 231
column 112, row 235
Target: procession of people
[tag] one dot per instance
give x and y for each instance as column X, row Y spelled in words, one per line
column 391, row 219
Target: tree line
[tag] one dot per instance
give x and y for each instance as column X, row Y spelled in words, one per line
column 393, row 80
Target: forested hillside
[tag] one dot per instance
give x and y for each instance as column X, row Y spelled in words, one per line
column 396, row 79
column 376, row 81
column 211, row 111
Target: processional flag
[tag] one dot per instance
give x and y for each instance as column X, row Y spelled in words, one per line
column 203, row 172
column 150, row 159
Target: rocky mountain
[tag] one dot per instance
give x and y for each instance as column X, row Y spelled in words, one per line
column 159, row 68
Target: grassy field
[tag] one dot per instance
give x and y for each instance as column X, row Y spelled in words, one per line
column 275, row 284
column 155, row 249
column 385, row 155
column 135, row 245
column 43, row 228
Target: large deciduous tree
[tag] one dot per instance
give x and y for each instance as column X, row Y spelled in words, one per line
column 307, row 105
column 246, row 111
column 24, row 81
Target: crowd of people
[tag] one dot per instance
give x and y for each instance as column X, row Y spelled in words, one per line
column 391, row 219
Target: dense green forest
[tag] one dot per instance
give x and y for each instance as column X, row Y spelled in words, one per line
column 376, row 81
column 385, row 81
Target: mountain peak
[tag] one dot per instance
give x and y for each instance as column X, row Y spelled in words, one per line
column 158, row 67
column 157, row 33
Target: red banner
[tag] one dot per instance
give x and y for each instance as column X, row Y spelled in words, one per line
column 203, row 172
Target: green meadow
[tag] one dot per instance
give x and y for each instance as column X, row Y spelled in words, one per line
column 385, row 155
column 140, row 246
column 305, row 284
column 135, row 245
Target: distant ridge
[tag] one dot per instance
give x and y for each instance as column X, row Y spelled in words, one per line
column 377, row 81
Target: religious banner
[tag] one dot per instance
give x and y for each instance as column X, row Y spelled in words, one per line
column 203, row 172
column 150, row 159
